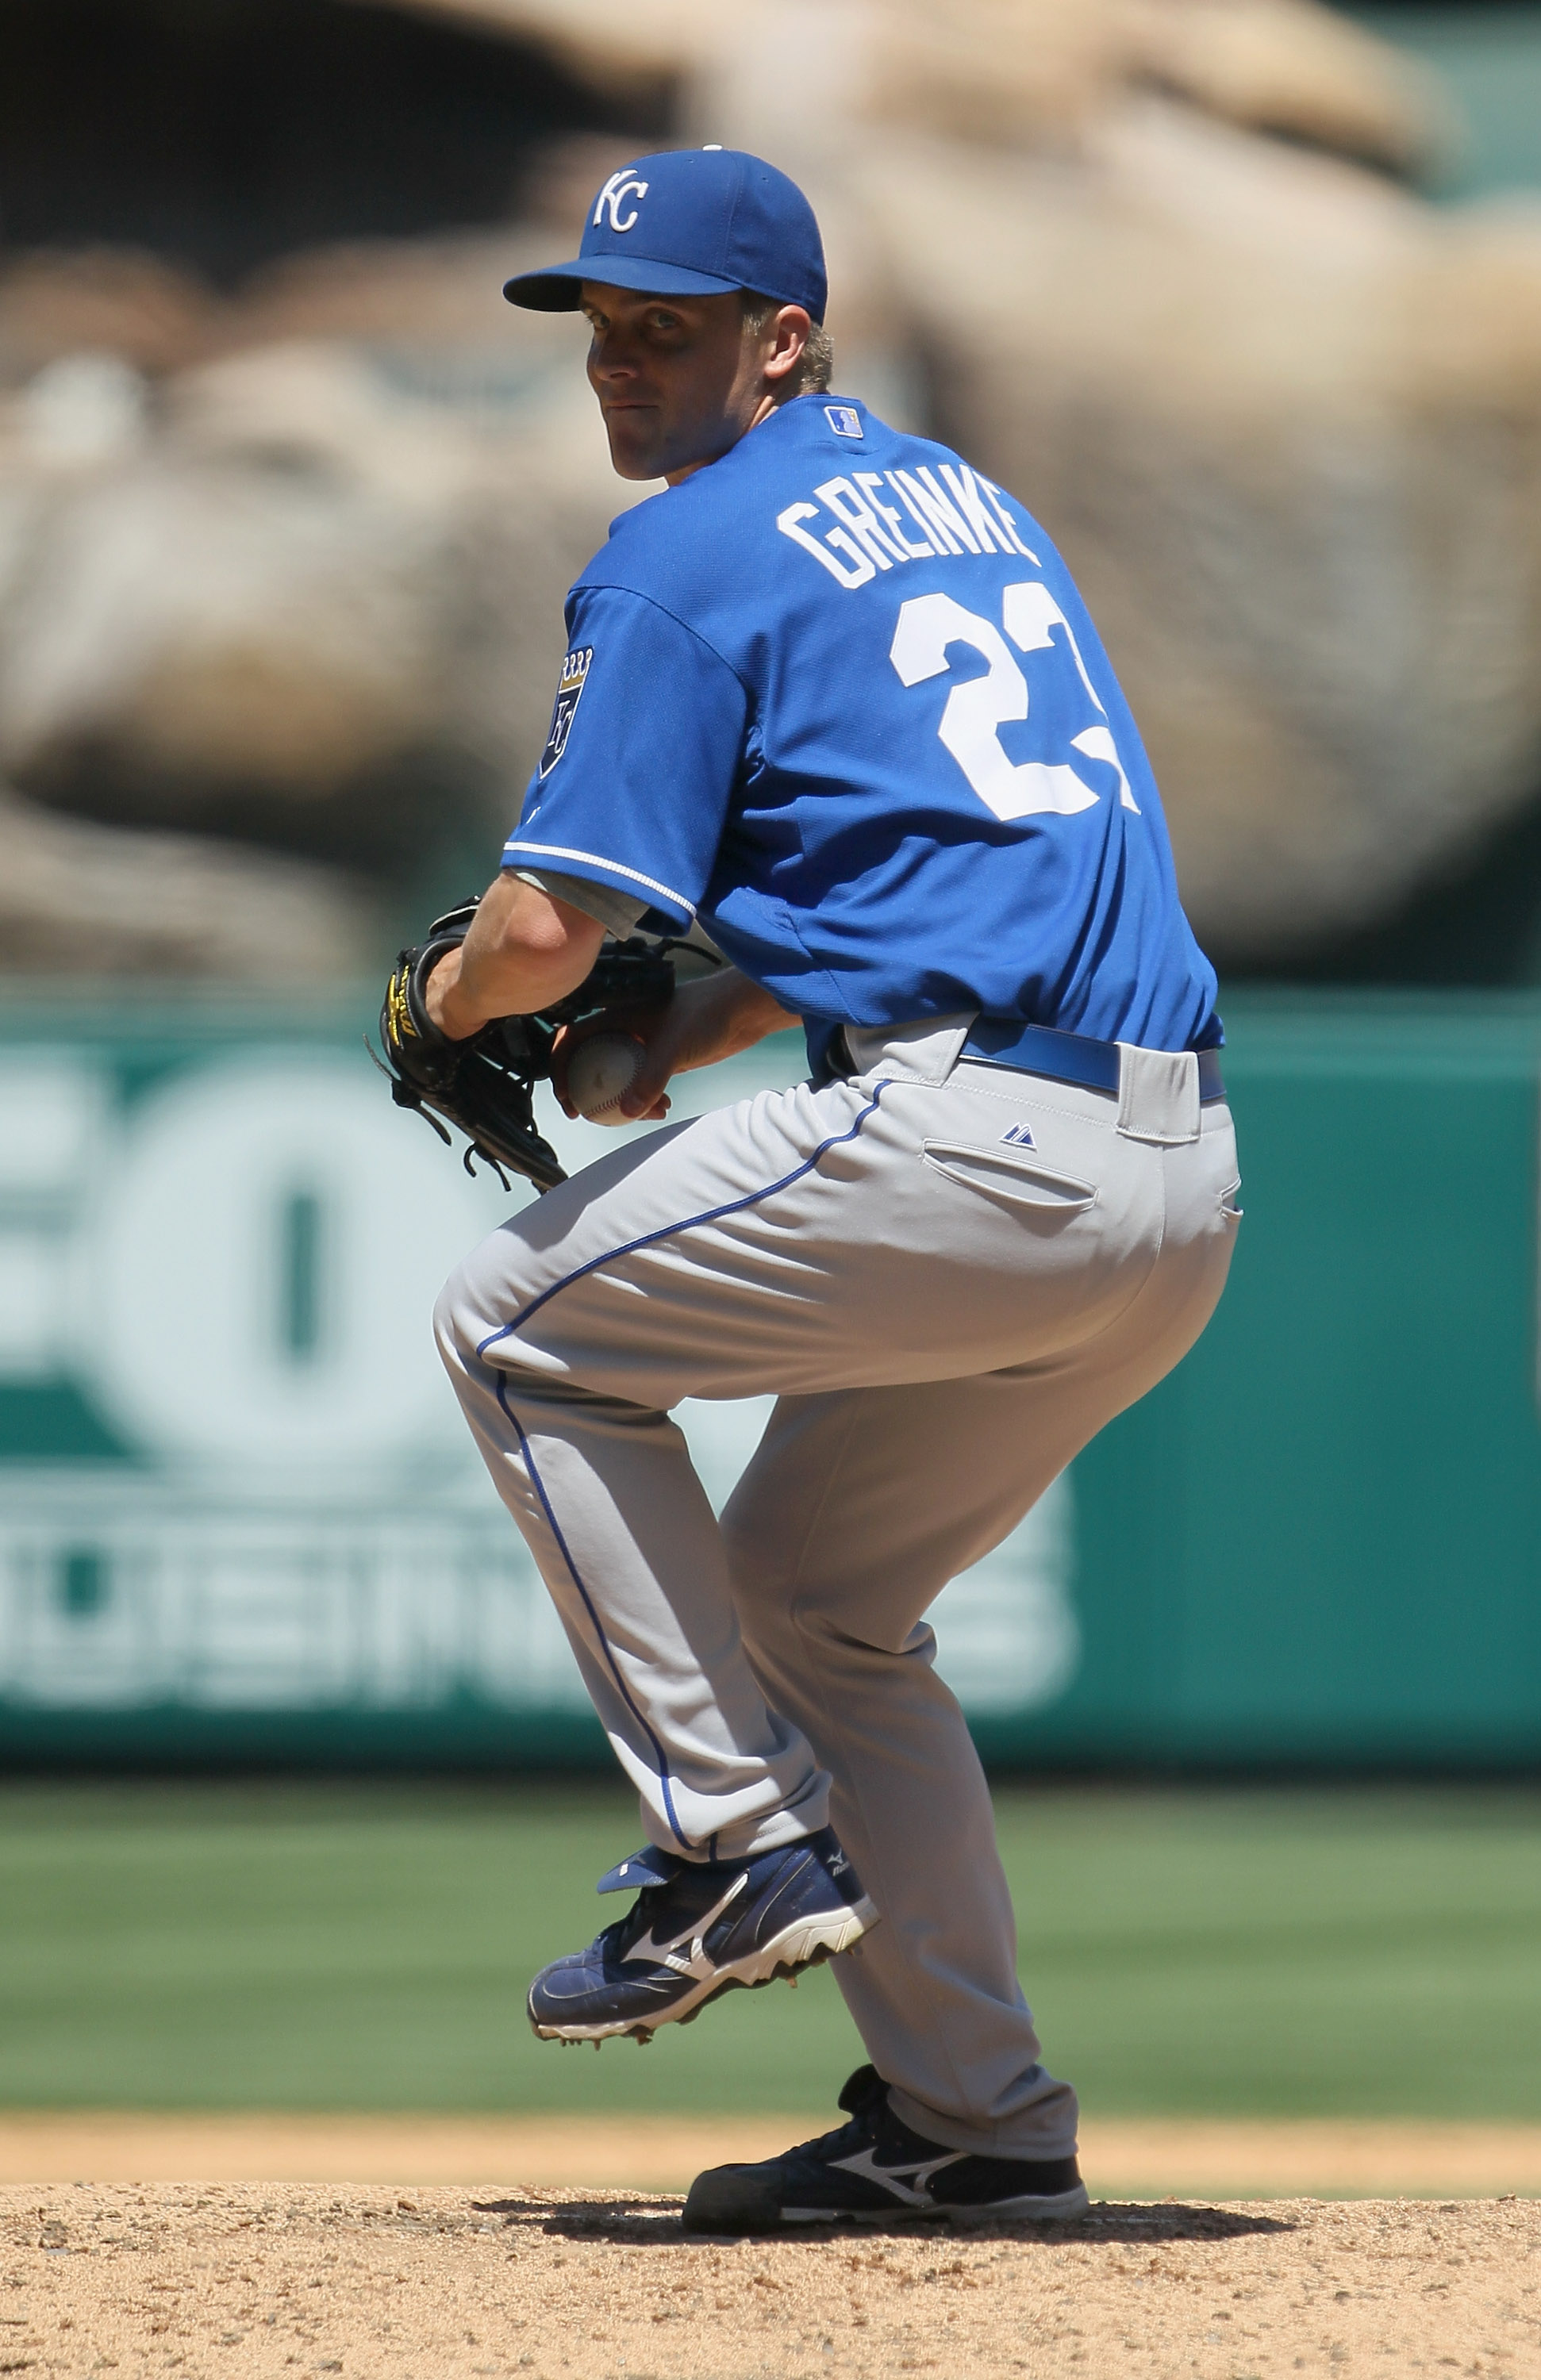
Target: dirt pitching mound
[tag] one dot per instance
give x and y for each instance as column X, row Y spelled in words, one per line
column 1150, row 2157
column 255, row 2279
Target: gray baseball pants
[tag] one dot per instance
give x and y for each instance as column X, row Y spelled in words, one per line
column 951, row 1275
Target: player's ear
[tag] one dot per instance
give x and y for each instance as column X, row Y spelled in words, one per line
column 786, row 335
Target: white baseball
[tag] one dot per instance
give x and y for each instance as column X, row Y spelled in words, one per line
column 600, row 1074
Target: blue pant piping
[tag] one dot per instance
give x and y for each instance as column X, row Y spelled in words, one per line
column 690, row 1223
column 576, row 1577
column 733, row 1207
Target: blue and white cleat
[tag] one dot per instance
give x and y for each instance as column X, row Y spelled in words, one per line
column 701, row 1927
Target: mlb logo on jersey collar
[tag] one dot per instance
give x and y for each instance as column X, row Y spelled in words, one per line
column 844, row 420
column 575, row 677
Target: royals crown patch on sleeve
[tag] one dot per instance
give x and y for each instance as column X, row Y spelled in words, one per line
column 575, row 674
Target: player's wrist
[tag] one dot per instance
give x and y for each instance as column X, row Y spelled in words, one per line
column 712, row 1019
column 448, row 1009
column 749, row 1012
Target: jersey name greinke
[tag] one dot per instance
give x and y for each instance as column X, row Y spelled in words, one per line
column 841, row 698
column 871, row 534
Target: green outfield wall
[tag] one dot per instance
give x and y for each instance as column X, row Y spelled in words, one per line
column 239, row 1520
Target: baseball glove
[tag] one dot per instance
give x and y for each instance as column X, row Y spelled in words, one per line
column 484, row 1085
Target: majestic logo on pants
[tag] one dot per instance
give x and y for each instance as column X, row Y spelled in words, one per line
column 621, row 187
column 575, row 676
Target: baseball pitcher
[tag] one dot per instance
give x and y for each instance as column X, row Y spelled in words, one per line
column 833, row 697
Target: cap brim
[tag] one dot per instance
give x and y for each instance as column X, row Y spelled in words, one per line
column 558, row 291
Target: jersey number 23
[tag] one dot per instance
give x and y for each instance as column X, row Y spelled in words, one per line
column 978, row 707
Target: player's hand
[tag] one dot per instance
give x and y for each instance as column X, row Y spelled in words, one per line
column 712, row 1018
column 639, row 1023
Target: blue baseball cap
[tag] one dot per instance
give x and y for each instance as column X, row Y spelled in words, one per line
column 691, row 222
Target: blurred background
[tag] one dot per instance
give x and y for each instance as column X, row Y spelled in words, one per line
column 1243, row 300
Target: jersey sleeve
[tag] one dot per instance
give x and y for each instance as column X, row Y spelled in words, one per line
column 647, row 737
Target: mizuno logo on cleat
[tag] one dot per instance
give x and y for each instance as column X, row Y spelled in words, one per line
column 662, row 1953
column 838, row 1863
column 893, row 2178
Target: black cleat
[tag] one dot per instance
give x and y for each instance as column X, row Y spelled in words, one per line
column 875, row 2169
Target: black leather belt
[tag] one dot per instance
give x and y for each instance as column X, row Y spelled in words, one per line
column 1066, row 1057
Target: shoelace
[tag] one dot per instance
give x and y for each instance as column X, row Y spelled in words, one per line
column 636, row 1923
column 639, row 1922
column 618, row 1938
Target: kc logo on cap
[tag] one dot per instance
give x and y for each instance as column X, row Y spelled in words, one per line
column 621, row 187
column 690, row 222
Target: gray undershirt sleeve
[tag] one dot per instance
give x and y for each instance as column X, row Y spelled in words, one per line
column 617, row 912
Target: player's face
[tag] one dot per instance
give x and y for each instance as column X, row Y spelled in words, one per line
column 678, row 379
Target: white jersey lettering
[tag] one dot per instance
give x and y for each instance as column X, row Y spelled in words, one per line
column 971, row 503
column 941, row 512
column 967, row 516
column 858, row 516
column 893, row 522
column 790, row 524
column 997, row 501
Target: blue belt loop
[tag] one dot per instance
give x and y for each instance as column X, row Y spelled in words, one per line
column 1066, row 1057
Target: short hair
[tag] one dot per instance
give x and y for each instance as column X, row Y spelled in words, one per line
column 815, row 368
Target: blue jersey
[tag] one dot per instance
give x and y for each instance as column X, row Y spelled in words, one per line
column 836, row 696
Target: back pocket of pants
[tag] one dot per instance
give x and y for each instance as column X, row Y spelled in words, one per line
column 1004, row 1173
